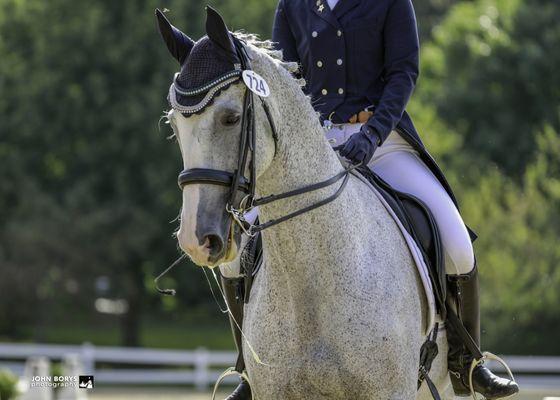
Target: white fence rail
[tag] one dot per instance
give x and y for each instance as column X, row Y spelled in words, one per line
column 118, row 365
column 121, row 365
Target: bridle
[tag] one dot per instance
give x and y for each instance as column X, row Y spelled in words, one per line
column 236, row 180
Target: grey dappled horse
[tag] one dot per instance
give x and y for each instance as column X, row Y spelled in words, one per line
column 337, row 309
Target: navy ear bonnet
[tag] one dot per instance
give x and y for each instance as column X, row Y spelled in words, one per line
column 203, row 76
column 208, row 66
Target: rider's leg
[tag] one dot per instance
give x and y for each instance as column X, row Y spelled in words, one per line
column 234, row 299
column 398, row 164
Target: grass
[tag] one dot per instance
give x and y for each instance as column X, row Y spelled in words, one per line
column 174, row 335
column 189, row 332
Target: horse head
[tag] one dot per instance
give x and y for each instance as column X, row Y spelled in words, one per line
column 208, row 115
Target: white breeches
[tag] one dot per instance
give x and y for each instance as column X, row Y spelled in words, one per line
column 400, row 166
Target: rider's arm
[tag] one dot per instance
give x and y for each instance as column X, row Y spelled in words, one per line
column 400, row 67
column 282, row 34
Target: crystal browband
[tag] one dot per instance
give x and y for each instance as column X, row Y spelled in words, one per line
column 210, row 89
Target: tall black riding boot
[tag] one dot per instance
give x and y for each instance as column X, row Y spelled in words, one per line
column 464, row 292
column 234, row 298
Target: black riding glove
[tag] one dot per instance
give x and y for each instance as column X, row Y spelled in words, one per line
column 361, row 146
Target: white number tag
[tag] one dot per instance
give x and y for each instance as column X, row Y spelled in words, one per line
column 256, row 83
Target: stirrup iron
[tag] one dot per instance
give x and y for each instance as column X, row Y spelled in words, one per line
column 486, row 356
column 229, row 372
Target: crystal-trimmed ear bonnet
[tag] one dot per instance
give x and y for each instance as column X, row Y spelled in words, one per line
column 203, row 76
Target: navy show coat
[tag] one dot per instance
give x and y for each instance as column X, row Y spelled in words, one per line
column 362, row 53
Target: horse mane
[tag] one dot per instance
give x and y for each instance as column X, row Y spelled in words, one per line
column 283, row 77
column 267, row 47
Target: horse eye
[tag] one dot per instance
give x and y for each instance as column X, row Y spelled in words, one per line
column 231, row 119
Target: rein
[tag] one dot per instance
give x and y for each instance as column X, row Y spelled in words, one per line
column 237, row 181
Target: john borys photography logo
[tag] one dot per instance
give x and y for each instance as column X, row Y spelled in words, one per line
column 86, row 382
column 62, row 381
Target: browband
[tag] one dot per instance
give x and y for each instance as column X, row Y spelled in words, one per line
column 210, row 88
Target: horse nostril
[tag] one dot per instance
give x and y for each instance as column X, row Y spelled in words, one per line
column 214, row 244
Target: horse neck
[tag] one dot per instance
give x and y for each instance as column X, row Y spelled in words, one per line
column 303, row 157
column 303, row 154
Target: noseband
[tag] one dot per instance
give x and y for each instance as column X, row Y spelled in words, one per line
column 236, row 180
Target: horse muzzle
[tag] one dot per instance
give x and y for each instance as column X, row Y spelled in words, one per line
column 211, row 248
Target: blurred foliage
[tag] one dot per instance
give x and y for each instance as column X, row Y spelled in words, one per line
column 91, row 185
column 492, row 72
column 518, row 252
column 429, row 13
column 189, row 330
column 56, row 369
column 499, row 143
column 8, row 385
column 88, row 198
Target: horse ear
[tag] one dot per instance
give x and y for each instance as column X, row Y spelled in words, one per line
column 179, row 44
column 218, row 33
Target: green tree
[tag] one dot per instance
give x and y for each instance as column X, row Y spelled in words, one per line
column 517, row 251
column 87, row 183
column 92, row 181
column 429, row 13
column 491, row 72
column 88, row 180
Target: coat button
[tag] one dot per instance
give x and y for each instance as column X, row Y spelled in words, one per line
column 339, row 33
column 319, row 63
column 314, row 33
column 340, row 91
column 324, row 92
column 339, row 61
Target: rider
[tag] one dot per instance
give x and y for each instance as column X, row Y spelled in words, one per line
column 360, row 62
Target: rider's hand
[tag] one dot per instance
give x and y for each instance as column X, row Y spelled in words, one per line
column 361, row 146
